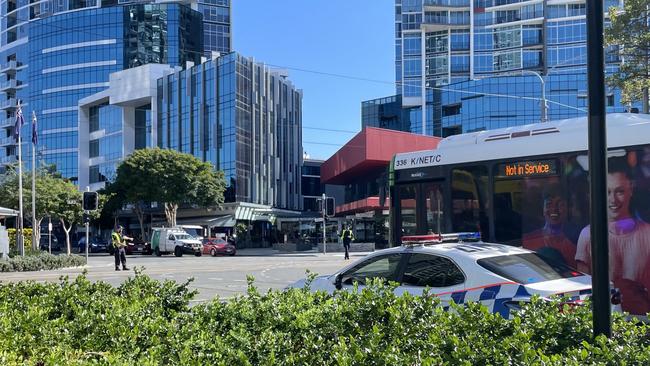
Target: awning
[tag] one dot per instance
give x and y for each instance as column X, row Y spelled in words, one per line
column 7, row 212
column 222, row 221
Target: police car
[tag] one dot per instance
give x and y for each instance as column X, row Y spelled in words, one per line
column 460, row 268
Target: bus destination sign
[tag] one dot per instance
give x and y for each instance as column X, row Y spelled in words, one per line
column 534, row 168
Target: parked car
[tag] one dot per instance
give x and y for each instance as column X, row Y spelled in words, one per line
column 218, row 246
column 175, row 240
column 138, row 247
column 97, row 245
column 499, row 276
column 44, row 243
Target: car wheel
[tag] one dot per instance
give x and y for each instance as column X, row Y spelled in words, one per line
column 198, row 254
column 232, row 254
column 178, row 251
column 213, row 252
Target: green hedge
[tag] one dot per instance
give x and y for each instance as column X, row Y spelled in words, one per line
column 27, row 238
column 146, row 322
column 39, row 262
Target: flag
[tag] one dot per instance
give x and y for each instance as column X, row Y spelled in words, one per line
column 34, row 133
column 19, row 122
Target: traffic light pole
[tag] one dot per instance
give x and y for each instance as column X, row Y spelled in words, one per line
column 87, row 223
column 324, row 207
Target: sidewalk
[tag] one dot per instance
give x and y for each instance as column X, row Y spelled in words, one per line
column 257, row 252
column 270, row 252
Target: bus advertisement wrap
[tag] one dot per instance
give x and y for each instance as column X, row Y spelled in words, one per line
column 562, row 214
column 541, row 202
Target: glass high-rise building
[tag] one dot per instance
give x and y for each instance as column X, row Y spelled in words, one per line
column 242, row 117
column 52, row 54
column 464, row 65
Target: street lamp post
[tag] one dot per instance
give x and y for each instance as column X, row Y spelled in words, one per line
column 543, row 103
column 49, row 239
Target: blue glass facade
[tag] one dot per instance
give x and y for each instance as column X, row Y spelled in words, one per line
column 463, row 65
column 216, row 26
column 385, row 113
column 66, row 66
column 106, row 118
column 244, row 119
column 54, row 53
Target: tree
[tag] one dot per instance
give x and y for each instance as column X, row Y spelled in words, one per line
column 170, row 177
column 630, row 31
column 67, row 207
column 45, row 202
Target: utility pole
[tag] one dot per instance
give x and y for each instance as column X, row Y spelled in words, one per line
column 598, row 170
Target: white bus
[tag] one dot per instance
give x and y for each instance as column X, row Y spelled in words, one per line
column 528, row 186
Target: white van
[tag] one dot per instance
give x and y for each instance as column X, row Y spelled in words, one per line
column 174, row 240
column 196, row 231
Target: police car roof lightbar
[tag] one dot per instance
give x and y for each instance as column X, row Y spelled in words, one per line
column 441, row 238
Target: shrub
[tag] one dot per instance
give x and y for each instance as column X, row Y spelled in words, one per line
column 27, row 235
column 39, row 262
column 144, row 321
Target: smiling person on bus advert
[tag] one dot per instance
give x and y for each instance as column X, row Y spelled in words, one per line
column 629, row 241
column 551, row 240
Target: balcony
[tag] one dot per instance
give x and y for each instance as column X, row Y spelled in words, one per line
column 7, row 122
column 11, row 85
column 510, row 4
column 435, row 5
column 8, row 104
column 11, row 67
column 434, row 23
column 8, row 160
column 7, row 141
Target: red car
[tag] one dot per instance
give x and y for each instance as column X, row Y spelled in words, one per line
column 215, row 246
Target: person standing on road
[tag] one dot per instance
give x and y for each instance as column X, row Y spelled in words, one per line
column 347, row 237
column 119, row 242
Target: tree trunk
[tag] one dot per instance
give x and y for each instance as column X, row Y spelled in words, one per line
column 36, row 227
column 67, row 236
column 170, row 213
column 646, row 100
column 139, row 212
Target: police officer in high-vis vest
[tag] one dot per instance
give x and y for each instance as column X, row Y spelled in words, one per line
column 119, row 243
column 347, row 236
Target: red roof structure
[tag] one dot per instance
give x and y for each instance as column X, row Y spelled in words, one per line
column 370, row 151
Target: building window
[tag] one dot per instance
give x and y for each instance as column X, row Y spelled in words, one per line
column 507, row 61
column 437, row 65
column 451, row 110
column 507, row 37
column 437, row 42
column 93, row 150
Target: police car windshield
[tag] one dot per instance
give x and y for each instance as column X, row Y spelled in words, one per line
column 527, row 268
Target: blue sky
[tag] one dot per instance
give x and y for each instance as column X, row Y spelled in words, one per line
column 343, row 37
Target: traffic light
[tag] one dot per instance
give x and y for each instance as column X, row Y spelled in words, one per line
column 86, row 218
column 329, row 211
column 91, row 201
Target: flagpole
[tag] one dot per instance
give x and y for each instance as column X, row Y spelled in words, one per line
column 34, row 197
column 19, row 237
column 20, row 244
column 34, row 238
